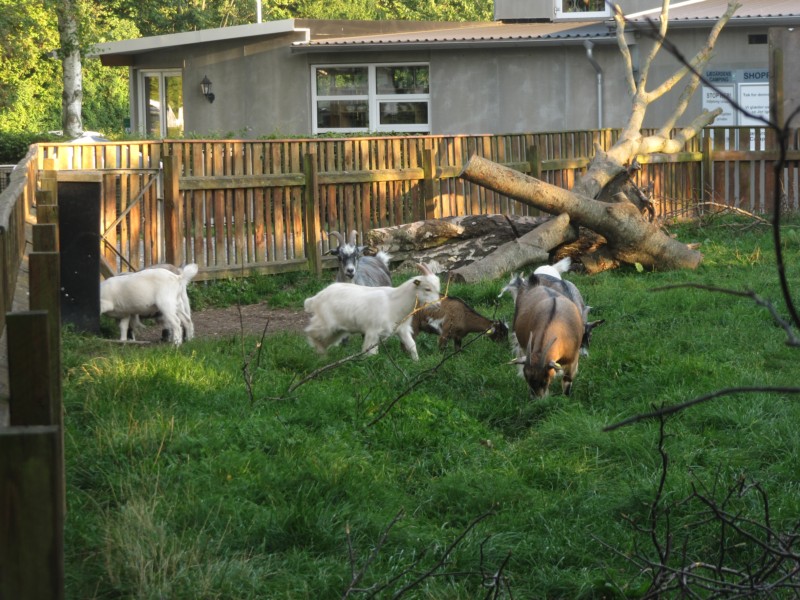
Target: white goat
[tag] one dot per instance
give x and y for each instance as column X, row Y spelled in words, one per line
column 136, row 323
column 357, row 267
column 376, row 312
column 148, row 292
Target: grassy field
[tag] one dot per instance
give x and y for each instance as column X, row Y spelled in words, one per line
column 216, row 471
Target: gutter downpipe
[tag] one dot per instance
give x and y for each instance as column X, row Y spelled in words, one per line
column 589, row 45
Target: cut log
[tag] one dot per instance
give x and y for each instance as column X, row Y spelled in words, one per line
column 474, row 236
column 532, row 248
column 423, row 235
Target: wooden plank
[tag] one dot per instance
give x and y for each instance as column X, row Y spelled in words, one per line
column 220, row 253
column 32, row 399
column 312, row 225
column 259, row 215
column 45, row 237
column 238, row 207
column 296, row 224
column 278, row 199
column 31, row 510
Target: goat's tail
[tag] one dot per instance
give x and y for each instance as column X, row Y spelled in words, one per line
column 189, row 272
column 563, row 265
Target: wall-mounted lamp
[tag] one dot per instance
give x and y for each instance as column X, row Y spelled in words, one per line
column 205, row 87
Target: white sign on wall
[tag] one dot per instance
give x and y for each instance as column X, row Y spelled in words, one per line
column 754, row 98
column 713, row 99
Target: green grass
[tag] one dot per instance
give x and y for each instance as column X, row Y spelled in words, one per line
column 182, row 485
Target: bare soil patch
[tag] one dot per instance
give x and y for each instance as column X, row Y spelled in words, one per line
column 234, row 320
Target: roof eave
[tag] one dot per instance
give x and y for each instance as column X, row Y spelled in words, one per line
column 303, row 48
column 186, row 38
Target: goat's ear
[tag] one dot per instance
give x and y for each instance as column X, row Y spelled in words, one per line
column 334, row 251
column 554, row 365
column 518, row 361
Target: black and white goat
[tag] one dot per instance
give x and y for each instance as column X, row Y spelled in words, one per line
column 342, row 309
column 357, row 267
column 148, row 292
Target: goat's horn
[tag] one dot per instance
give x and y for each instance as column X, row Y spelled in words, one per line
column 337, row 235
column 546, row 349
column 353, row 237
column 424, row 269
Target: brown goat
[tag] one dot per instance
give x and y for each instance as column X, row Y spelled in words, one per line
column 453, row 319
column 548, row 328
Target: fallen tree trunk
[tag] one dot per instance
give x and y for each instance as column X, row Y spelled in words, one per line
column 630, row 238
column 533, row 247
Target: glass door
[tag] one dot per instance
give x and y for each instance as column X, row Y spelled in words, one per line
column 162, row 104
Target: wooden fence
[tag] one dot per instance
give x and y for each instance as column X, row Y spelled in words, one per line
column 240, row 206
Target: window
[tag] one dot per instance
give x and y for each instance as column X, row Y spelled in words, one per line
column 581, row 9
column 354, row 98
column 161, row 104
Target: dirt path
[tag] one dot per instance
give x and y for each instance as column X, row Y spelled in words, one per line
column 226, row 322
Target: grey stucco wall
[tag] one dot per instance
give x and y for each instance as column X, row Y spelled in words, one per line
column 262, row 88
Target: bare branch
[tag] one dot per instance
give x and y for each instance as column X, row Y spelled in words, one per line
column 675, row 408
column 444, row 556
column 622, row 43
column 699, row 60
column 792, row 340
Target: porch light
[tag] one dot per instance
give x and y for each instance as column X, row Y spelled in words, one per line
column 205, row 87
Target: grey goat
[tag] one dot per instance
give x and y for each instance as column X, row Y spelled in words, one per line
column 357, row 267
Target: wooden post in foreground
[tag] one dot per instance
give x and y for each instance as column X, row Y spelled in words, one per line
column 32, row 535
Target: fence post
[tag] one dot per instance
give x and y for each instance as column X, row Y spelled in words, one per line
column 45, row 295
column 45, row 237
column 312, row 225
column 32, row 535
column 428, row 195
column 173, row 217
column 707, row 169
column 29, row 369
column 535, row 161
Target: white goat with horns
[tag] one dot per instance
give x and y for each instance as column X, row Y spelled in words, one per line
column 376, row 312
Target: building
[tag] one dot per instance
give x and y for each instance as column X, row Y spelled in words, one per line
column 541, row 65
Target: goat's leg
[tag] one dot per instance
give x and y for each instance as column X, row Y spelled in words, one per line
column 569, row 376
column 371, row 341
column 174, row 326
column 408, row 342
column 186, row 321
column 123, row 329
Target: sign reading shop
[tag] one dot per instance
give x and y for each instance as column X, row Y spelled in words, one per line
column 750, row 89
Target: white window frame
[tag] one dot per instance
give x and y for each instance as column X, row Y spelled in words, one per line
column 373, row 100
column 162, row 74
column 579, row 15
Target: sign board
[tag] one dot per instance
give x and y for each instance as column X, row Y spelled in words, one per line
column 718, row 98
column 750, row 89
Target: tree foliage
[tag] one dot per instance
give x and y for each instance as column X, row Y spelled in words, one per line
column 30, row 49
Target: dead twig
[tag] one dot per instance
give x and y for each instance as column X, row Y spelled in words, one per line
column 792, row 339
column 675, row 408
